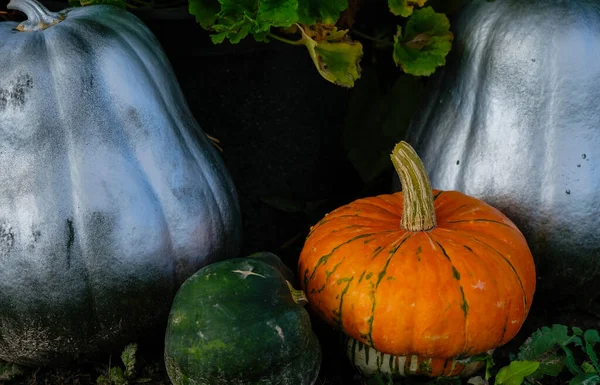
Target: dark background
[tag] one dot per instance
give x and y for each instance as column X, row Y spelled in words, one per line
column 282, row 129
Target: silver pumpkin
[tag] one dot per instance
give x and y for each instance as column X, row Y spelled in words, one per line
column 110, row 193
column 514, row 119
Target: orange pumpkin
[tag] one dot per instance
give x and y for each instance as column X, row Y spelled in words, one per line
column 433, row 274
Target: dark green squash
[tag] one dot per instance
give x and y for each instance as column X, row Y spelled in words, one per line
column 514, row 119
column 241, row 322
column 110, row 193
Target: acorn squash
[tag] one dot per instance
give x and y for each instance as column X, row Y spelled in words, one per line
column 240, row 321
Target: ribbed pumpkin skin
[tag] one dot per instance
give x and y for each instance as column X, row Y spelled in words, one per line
column 370, row 362
column 110, row 193
column 459, row 289
column 514, row 119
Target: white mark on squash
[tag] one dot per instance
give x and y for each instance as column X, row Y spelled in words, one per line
column 500, row 303
column 177, row 318
column 246, row 273
column 278, row 329
column 201, row 335
column 514, row 321
column 224, row 311
column 280, row 332
column 412, row 304
column 479, row 285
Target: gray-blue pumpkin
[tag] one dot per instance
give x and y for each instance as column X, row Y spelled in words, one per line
column 110, row 193
column 514, row 119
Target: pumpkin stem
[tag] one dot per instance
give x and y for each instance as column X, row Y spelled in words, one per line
column 298, row 295
column 38, row 16
column 418, row 213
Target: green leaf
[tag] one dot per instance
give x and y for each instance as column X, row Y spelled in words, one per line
column 232, row 29
column 515, row 373
column 205, row 11
column 236, row 19
column 115, row 377
column 542, row 341
column 485, row 357
column 404, row 8
column 9, row 371
column 424, row 44
column 128, row 358
column 585, row 379
column 588, row 368
column 336, row 60
column 570, row 360
column 320, row 11
column 277, row 13
column 544, row 346
column 591, row 337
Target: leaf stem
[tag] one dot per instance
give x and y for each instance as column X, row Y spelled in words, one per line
column 418, row 213
column 371, row 38
column 284, row 40
column 298, row 295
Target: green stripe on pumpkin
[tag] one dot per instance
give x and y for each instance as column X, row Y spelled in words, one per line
column 379, row 279
column 326, row 257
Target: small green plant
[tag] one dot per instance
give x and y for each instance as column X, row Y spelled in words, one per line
column 419, row 44
column 548, row 352
column 9, row 371
column 551, row 350
column 121, row 376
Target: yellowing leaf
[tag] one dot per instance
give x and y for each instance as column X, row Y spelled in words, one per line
column 337, row 60
column 404, row 8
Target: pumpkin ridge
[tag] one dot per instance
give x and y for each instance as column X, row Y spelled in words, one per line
column 328, row 275
column 369, row 203
column 326, row 220
column 337, row 316
column 140, row 167
column 167, row 109
column 450, row 213
column 504, row 328
column 330, row 272
column 465, row 304
column 525, row 298
column 489, row 260
column 479, row 220
column 498, row 292
column 394, row 248
column 76, row 221
column 84, row 22
column 323, row 259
